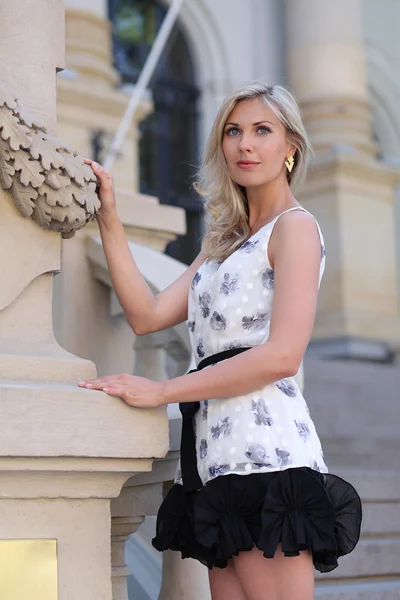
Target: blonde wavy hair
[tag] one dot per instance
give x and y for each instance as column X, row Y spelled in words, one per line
column 225, row 202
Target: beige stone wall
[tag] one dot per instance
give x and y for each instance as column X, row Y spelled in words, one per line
column 65, row 452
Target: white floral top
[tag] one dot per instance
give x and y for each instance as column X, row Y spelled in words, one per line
column 269, row 429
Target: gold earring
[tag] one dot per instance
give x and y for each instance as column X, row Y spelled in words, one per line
column 289, row 163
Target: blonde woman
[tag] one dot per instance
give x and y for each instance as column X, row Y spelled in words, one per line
column 252, row 499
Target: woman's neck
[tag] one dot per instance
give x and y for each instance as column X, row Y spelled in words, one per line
column 267, row 201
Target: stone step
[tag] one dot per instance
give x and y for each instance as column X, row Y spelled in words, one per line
column 369, row 590
column 372, row 484
column 381, row 519
column 373, row 557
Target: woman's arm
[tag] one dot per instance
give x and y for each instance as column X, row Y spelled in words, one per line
column 144, row 312
column 295, row 252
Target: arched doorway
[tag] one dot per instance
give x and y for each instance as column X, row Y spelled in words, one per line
column 168, row 148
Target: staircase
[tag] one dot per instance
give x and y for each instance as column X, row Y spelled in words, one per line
column 357, row 414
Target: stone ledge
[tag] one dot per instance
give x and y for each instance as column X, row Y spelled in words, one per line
column 56, row 420
column 75, row 483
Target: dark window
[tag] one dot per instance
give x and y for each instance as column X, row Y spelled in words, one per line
column 168, row 147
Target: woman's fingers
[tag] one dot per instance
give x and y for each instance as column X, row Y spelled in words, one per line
column 95, row 383
column 104, row 176
column 114, row 391
column 101, row 382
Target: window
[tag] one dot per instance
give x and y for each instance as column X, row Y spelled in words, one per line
column 168, row 148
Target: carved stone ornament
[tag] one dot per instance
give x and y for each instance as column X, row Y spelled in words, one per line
column 48, row 181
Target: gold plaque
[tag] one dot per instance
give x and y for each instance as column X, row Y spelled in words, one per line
column 28, row 569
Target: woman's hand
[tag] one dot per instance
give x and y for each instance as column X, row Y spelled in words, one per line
column 135, row 391
column 106, row 188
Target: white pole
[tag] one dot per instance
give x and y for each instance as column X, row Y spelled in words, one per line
column 143, row 81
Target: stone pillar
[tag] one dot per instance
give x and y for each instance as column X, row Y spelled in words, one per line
column 327, row 71
column 64, row 451
column 350, row 192
column 121, row 529
column 183, row 579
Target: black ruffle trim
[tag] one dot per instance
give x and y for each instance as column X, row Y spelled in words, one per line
column 300, row 508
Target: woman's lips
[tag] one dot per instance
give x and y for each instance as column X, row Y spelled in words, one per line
column 247, row 164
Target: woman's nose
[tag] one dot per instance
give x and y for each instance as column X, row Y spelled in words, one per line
column 245, row 143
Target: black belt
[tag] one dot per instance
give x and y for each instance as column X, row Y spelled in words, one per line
column 190, row 475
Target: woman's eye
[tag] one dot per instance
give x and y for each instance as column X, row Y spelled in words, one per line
column 232, row 131
column 264, row 130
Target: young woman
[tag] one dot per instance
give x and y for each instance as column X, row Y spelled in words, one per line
column 252, row 500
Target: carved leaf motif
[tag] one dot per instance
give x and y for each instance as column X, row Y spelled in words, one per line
column 72, row 214
column 77, row 169
column 7, row 173
column 86, row 196
column 42, row 211
column 63, row 179
column 79, row 193
column 24, row 197
column 13, row 131
column 47, row 180
column 30, row 170
column 92, row 200
column 52, row 180
column 43, row 149
column 7, row 99
column 54, row 197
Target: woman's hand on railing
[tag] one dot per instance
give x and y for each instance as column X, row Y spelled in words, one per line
column 135, row 391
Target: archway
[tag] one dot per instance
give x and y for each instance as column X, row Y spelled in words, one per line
column 168, row 149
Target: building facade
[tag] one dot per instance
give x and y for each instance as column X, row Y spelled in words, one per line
column 339, row 59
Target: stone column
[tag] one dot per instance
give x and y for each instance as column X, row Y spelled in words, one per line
column 64, row 451
column 184, row 579
column 349, row 190
column 121, row 529
column 28, row 255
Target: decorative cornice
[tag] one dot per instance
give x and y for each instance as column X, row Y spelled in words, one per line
column 47, row 180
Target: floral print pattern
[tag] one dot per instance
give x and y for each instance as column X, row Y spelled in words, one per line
column 269, row 429
column 230, row 284
column 195, row 280
column 204, row 410
column 258, row 454
column 254, row 322
column 218, row 321
column 217, row 468
column 249, row 246
column 286, row 387
column 232, row 345
column 204, row 302
column 284, row 458
column 260, row 412
column 203, row 449
column 303, row 430
column 200, row 349
column 267, row 279
column 222, row 428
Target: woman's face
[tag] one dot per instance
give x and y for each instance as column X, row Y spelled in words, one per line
column 254, row 144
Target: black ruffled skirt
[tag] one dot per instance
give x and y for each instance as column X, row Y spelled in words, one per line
column 299, row 508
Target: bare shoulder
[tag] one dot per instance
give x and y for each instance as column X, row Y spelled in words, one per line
column 294, row 231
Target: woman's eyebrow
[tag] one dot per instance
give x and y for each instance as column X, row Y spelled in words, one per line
column 254, row 124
